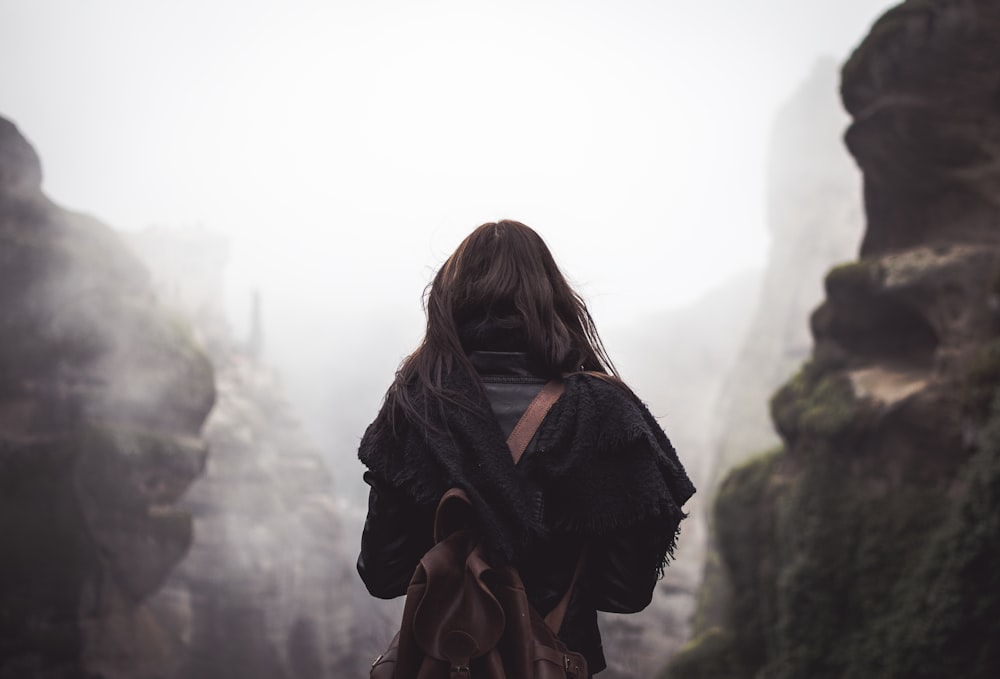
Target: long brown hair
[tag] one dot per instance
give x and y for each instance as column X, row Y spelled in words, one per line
column 501, row 268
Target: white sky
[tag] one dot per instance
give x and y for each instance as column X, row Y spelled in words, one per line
column 347, row 146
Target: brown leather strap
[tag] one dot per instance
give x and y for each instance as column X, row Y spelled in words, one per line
column 554, row 618
column 526, row 427
column 569, row 663
column 518, row 442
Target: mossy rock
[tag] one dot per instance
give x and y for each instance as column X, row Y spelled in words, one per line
column 951, row 619
column 708, row 656
column 851, row 279
column 714, row 592
column 744, row 521
column 815, row 403
column 830, row 574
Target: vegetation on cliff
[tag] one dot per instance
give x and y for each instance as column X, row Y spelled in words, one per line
column 866, row 546
column 838, row 570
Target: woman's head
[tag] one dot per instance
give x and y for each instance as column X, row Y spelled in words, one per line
column 503, row 275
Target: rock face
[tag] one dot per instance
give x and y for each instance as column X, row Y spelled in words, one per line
column 266, row 589
column 923, row 93
column 102, row 397
column 677, row 362
column 710, row 369
column 269, row 588
column 867, row 545
column 815, row 220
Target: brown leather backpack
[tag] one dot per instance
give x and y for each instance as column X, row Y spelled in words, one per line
column 466, row 619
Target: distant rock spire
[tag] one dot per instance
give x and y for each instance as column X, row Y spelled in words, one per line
column 256, row 342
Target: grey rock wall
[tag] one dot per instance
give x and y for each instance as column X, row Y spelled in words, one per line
column 866, row 544
column 269, row 587
column 102, row 397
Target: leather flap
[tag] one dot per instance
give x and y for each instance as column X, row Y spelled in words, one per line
column 454, row 513
column 458, row 617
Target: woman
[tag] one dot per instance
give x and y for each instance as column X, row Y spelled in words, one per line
column 599, row 477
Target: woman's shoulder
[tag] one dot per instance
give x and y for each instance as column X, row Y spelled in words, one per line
column 602, row 389
column 601, row 407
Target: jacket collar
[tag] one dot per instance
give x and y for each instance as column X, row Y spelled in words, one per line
column 513, row 363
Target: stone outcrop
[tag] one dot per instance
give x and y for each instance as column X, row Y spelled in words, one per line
column 815, row 221
column 269, row 589
column 867, row 545
column 102, row 397
column 923, row 93
column 709, row 369
column 266, row 590
column 117, row 375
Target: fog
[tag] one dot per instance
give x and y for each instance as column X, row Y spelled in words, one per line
column 345, row 148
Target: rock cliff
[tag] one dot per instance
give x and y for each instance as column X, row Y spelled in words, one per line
column 102, row 398
column 815, row 221
column 677, row 362
column 117, row 375
column 708, row 369
column 269, row 588
column 866, row 545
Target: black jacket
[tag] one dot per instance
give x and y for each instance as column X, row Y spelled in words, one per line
column 620, row 568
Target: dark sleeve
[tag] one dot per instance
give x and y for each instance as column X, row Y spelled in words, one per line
column 622, row 568
column 397, row 533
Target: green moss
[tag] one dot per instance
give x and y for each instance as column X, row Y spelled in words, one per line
column 851, row 278
column 744, row 525
column 828, row 357
column 829, row 409
column 746, row 483
column 832, row 577
column 834, row 573
column 738, row 492
column 786, row 406
column 847, row 556
column 816, row 403
column 954, row 602
column 714, row 592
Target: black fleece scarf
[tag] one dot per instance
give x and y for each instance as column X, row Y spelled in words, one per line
column 601, row 460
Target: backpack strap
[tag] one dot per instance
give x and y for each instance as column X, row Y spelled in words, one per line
column 526, row 427
column 518, row 442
